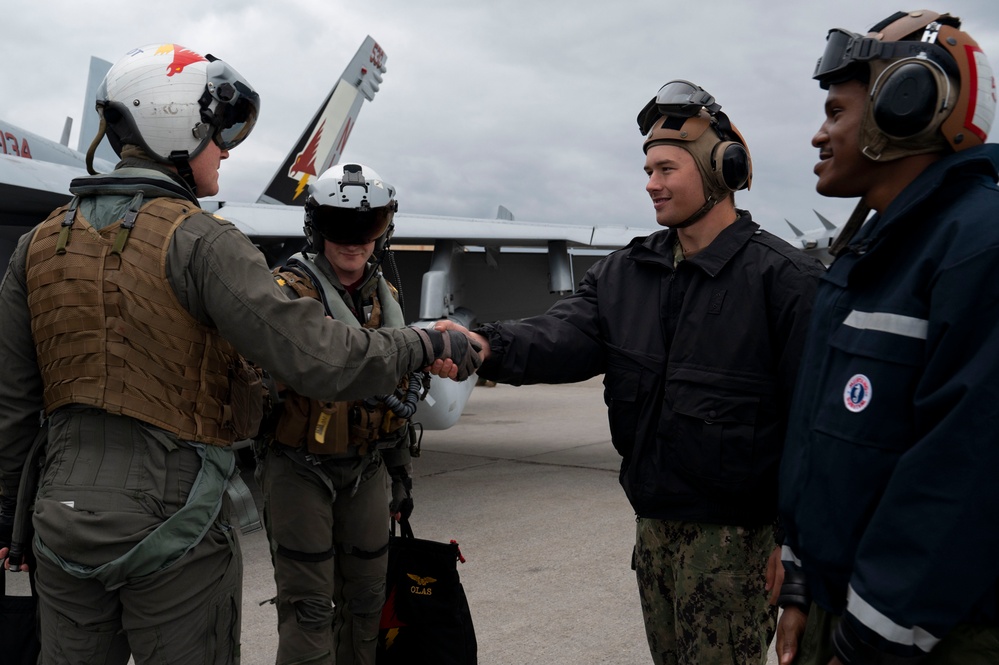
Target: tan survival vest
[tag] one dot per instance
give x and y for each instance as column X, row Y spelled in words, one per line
column 338, row 428
column 110, row 332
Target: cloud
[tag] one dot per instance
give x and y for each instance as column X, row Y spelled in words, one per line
column 520, row 103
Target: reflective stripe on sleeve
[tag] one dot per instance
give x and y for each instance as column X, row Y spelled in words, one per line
column 885, row 627
column 787, row 554
column 897, row 324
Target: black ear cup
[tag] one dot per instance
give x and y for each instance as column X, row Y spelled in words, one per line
column 730, row 165
column 905, row 103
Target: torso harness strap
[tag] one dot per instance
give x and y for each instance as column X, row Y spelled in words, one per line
column 341, row 429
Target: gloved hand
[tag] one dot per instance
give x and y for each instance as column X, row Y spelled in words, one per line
column 401, row 505
column 453, row 345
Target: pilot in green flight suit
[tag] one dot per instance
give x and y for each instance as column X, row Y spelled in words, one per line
column 124, row 318
column 325, row 467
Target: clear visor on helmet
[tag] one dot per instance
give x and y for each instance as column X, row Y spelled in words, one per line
column 350, row 226
column 680, row 99
column 238, row 105
column 845, row 49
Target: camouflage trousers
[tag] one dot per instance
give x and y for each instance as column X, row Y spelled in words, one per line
column 702, row 592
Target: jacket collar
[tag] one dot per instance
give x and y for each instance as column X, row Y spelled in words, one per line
column 367, row 285
column 658, row 247
column 982, row 160
column 131, row 176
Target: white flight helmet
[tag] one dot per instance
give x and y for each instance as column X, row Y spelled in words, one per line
column 171, row 101
column 349, row 204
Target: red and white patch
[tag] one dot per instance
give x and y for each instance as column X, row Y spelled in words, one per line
column 857, row 394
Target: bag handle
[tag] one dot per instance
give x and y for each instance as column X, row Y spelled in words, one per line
column 405, row 528
column 406, row 531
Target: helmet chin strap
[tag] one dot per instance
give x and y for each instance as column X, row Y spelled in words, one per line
column 709, row 203
column 181, row 162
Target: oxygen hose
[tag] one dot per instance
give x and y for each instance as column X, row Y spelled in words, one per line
column 405, row 408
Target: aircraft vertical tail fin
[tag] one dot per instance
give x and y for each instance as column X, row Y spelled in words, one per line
column 90, row 121
column 323, row 141
column 66, row 129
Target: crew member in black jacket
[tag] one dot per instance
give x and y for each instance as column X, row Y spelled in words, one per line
column 698, row 329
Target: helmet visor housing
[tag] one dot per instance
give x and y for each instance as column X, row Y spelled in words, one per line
column 230, row 106
column 350, row 204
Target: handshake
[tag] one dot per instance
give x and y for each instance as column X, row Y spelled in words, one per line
column 451, row 351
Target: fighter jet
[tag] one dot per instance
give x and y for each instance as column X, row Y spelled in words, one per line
column 470, row 270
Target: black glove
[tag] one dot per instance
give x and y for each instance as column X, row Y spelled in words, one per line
column 402, row 492
column 438, row 345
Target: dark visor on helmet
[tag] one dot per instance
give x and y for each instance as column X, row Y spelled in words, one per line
column 238, row 104
column 349, row 226
column 845, row 49
column 678, row 99
column 237, row 120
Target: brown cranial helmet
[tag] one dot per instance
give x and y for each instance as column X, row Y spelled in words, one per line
column 685, row 115
column 930, row 86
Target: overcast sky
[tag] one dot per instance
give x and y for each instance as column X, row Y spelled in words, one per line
column 529, row 104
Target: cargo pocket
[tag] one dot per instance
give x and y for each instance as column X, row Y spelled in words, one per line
column 712, row 438
column 868, row 398
column 223, row 631
column 629, row 387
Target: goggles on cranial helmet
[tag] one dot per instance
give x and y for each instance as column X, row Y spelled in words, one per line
column 686, row 116
column 681, row 113
column 679, row 98
column 845, row 50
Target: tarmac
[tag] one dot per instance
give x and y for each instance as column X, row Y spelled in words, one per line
column 526, row 482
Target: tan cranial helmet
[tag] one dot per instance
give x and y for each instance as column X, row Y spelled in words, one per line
column 931, row 87
column 685, row 115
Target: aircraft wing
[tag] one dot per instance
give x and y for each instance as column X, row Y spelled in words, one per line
column 264, row 222
column 29, row 191
column 469, row 231
column 28, row 186
column 816, row 242
column 469, row 270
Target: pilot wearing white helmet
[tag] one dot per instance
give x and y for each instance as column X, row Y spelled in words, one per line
column 125, row 320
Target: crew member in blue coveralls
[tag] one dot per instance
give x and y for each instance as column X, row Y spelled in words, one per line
column 889, row 492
